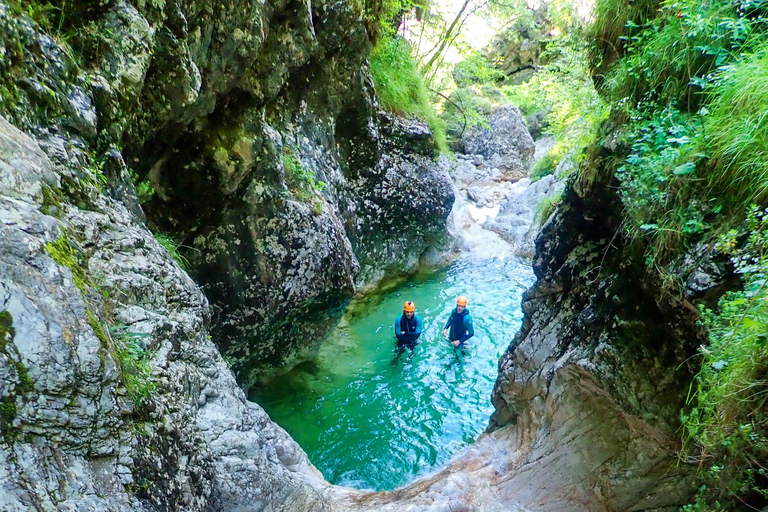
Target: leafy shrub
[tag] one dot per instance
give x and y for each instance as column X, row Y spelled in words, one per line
column 659, row 181
column 669, row 58
column 400, row 86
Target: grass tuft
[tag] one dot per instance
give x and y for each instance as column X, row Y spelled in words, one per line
column 400, row 86
column 736, row 131
column 173, row 249
column 134, row 365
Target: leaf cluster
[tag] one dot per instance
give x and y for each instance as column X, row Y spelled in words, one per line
column 301, row 180
column 727, row 427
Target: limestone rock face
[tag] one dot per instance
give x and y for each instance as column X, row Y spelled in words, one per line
column 505, row 145
column 76, row 289
column 594, row 327
column 257, row 127
column 515, row 221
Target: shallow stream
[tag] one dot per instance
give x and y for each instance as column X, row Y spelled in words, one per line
column 371, row 424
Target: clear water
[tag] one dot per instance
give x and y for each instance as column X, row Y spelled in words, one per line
column 369, row 424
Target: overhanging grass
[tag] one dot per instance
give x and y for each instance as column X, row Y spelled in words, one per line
column 400, row 86
column 616, row 21
column 668, row 58
column 736, row 133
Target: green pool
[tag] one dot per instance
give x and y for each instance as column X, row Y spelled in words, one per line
column 371, row 424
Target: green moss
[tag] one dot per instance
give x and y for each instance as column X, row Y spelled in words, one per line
column 63, row 253
column 7, row 332
column 97, row 329
column 7, row 416
column 51, row 201
column 25, row 383
column 8, row 409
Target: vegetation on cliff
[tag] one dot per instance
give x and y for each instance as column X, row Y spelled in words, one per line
column 686, row 81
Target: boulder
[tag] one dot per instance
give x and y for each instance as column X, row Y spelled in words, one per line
column 506, row 144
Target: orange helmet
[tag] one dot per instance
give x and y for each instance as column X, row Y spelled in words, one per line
column 461, row 301
column 409, row 306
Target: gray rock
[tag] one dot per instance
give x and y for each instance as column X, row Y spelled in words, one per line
column 77, row 441
column 476, row 195
column 506, row 144
column 515, row 222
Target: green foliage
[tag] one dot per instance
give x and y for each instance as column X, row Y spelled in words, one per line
column 144, row 189
column 727, row 428
column 616, row 22
column 736, row 131
column 660, row 187
column 133, row 360
column 476, row 69
column 476, row 95
column 469, row 107
column 400, row 86
column 545, row 165
column 545, row 207
column 382, row 17
column 173, row 249
column 301, row 181
column 157, row 4
column 687, row 172
column 563, row 89
column 668, row 59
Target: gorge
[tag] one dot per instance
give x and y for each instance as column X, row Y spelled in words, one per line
column 250, row 135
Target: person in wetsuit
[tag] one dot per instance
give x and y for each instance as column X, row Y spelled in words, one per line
column 458, row 329
column 407, row 329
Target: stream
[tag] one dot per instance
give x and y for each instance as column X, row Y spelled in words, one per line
column 369, row 424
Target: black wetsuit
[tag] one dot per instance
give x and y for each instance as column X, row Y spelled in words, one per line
column 460, row 325
column 412, row 328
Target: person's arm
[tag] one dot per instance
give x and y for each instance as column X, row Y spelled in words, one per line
column 415, row 334
column 470, row 330
column 398, row 331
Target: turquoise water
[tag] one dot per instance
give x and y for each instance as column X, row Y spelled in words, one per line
column 371, row 424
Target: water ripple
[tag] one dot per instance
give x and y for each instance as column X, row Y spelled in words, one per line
column 369, row 424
